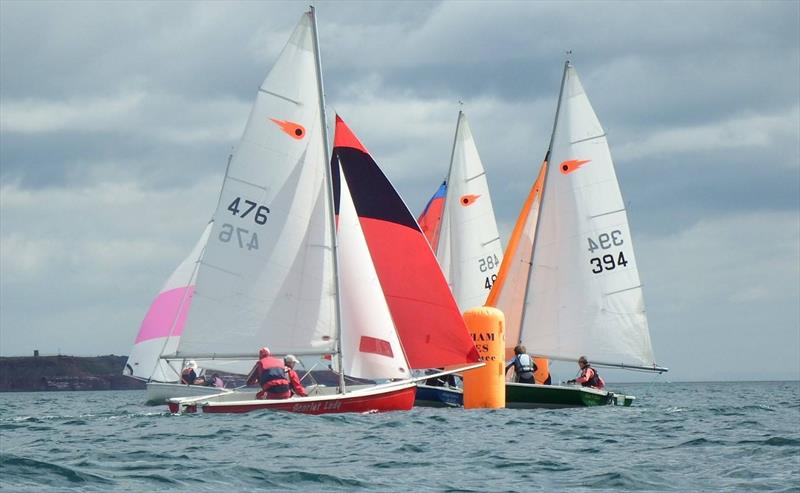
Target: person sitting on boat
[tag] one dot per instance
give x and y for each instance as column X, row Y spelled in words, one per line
column 189, row 374
column 589, row 376
column 294, row 381
column 523, row 365
column 216, row 381
column 269, row 373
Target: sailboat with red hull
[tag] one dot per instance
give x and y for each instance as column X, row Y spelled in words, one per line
column 331, row 262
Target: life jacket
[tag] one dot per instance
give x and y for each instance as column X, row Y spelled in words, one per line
column 523, row 363
column 595, row 381
column 273, row 377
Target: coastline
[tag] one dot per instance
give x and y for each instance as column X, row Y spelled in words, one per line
column 60, row 373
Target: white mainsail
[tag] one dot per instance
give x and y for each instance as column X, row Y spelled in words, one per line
column 163, row 324
column 469, row 249
column 267, row 277
column 585, row 296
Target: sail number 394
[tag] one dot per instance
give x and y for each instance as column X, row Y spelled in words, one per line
column 607, row 261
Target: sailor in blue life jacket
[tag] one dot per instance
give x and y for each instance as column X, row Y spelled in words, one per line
column 589, row 376
column 523, row 365
column 269, row 373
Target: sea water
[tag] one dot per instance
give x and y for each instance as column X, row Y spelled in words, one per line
column 676, row 437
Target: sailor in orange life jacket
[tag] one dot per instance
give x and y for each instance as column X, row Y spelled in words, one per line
column 291, row 375
column 269, row 373
column 589, row 376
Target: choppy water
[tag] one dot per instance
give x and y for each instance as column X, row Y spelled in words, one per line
column 677, row 437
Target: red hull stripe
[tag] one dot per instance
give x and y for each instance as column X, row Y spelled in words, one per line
column 396, row 400
column 375, row 346
column 427, row 319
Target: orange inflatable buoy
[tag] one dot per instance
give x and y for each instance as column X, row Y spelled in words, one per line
column 485, row 387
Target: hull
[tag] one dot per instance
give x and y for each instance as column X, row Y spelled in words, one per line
column 158, row 392
column 374, row 399
column 526, row 396
column 432, row 396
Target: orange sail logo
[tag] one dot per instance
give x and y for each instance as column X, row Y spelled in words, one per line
column 467, row 200
column 568, row 167
column 292, row 129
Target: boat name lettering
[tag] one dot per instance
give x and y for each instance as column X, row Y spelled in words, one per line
column 244, row 238
column 488, row 263
column 260, row 216
column 486, row 358
column 606, row 241
column 608, row 262
column 316, row 406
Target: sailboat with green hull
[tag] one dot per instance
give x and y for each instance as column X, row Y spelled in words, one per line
column 569, row 284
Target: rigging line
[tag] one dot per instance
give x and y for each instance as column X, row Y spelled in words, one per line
column 588, row 139
column 261, row 89
column 607, row 213
column 623, row 290
column 497, row 238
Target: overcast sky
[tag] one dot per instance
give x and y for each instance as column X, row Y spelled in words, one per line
column 116, row 120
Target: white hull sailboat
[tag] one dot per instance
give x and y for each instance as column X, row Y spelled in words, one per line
column 581, row 295
column 460, row 225
column 276, row 272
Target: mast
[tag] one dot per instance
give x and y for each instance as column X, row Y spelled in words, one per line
column 541, row 200
column 329, row 183
column 447, row 184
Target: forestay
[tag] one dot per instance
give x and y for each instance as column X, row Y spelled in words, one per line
column 585, row 295
column 267, row 277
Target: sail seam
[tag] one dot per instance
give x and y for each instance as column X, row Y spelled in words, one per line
column 219, row 269
column 587, row 138
column 261, row 89
column 246, row 182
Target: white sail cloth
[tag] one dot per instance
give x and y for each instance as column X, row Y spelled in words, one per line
column 585, row 296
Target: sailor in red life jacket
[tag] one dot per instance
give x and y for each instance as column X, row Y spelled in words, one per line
column 269, row 373
column 291, row 375
column 589, row 376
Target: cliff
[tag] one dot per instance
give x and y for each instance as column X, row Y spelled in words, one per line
column 37, row 373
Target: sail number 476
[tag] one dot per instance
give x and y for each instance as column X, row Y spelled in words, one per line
column 608, row 261
column 242, row 208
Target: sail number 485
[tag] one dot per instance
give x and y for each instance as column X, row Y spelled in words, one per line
column 608, row 261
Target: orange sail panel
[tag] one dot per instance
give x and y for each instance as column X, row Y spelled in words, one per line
column 428, row 322
column 508, row 291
